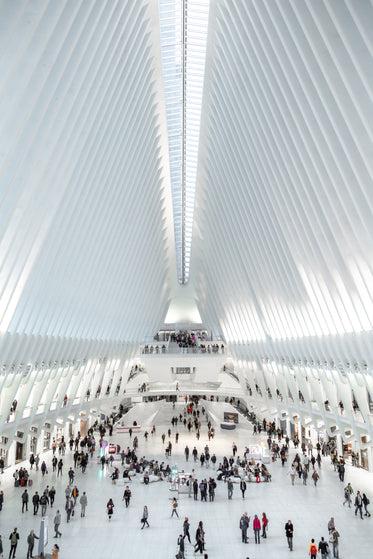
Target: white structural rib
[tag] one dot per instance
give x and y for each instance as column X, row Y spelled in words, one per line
column 283, row 248
column 85, row 248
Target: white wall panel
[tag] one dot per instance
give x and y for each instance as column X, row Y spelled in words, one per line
column 283, row 242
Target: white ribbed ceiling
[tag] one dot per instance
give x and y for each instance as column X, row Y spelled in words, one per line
column 285, row 191
column 282, row 254
column 83, row 170
column 282, row 246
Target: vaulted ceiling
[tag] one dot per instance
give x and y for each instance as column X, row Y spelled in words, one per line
column 282, row 251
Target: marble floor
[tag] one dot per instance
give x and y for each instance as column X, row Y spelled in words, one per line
column 95, row 536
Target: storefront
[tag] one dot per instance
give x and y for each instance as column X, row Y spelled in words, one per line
column 364, row 461
column 346, row 447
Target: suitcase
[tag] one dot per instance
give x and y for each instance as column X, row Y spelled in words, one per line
column 23, row 483
column 30, row 482
column 16, row 483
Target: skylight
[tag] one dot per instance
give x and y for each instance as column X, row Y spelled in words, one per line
column 183, row 43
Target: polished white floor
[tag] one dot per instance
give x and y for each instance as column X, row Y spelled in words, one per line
column 96, row 537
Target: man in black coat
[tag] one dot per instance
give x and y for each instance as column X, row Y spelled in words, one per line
column 289, row 531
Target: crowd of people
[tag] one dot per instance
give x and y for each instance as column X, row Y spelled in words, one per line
column 209, row 475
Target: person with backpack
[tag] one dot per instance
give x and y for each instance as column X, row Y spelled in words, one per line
column 323, row 548
column 313, row 551
column 334, row 539
column 14, row 537
column 43, row 503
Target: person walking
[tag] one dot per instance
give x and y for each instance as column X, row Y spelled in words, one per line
column 127, row 496
column 1, row 499
column 244, row 525
column 292, row 473
column 195, row 489
column 256, row 528
column 14, row 537
column 230, row 488
column 52, row 495
column 323, row 548
column 348, row 494
column 145, row 516
column 174, row 507
column 110, row 508
column 30, row 543
column 243, row 487
column 186, row 527
column 203, row 490
column 43, row 503
column 313, row 551
column 366, row 503
column 69, row 507
column 315, row 477
column 57, row 522
column 200, row 538
column 334, row 539
column 71, row 475
column 359, row 504
column 83, row 503
column 289, row 531
column 186, row 452
column 35, row 502
column 25, row 497
column 264, row 525
column 304, row 476
column 180, row 543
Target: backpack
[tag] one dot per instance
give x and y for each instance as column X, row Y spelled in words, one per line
column 13, row 538
column 313, row 549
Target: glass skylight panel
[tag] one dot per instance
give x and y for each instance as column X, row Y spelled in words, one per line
column 183, row 25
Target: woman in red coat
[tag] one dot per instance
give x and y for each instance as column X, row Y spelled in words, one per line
column 264, row 525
